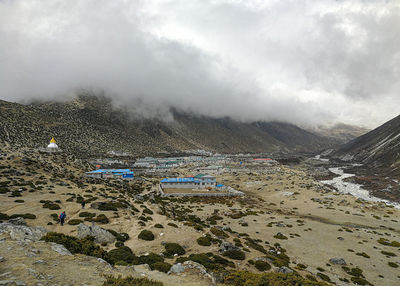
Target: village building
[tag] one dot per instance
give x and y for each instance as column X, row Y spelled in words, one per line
column 111, row 174
column 200, row 181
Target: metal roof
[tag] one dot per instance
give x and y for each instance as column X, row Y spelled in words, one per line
column 110, row 171
column 179, row 180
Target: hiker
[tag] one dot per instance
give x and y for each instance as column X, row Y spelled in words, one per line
column 62, row 218
column 83, row 203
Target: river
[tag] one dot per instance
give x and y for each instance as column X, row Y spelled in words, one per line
column 352, row 188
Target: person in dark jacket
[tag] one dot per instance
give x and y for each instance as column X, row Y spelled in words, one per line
column 63, row 216
column 83, row 203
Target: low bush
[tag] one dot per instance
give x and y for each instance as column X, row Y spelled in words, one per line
column 119, row 244
column 172, row 224
column 359, row 281
column 173, row 248
column 101, row 218
column 262, row 265
column 149, row 259
column 393, row 264
column 204, row 241
column 324, row 277
column 75, row 221
column 161, row 266
column 280, row 236
column 218, row 232
column 119, row 236
column 245, row 278
column 25, row 216
column 130, row 281
column 157, row 225
column 147, row 211
column 389, row 243
column 87, row 214
column 122, row 253
column 51, row 206
column 74, row 245
column 146, row 235
column 235, row 254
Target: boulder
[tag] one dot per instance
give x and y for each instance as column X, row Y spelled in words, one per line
column 100, row 235
column 17, row 221
column 21, row 232
column 177, row 268
column 60, row 249
column 337, row 261
column 227, row 246
column 284, row 270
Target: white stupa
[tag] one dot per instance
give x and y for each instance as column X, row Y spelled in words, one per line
column 52, row 145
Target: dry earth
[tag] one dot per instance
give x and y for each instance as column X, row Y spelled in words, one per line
column 282, row 205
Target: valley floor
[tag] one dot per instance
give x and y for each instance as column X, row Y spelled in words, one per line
column 285, row 211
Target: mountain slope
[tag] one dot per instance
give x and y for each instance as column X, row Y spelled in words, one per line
column 91, row 125
column 379, row 148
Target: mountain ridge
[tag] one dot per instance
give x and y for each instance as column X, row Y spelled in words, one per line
column 92, row 125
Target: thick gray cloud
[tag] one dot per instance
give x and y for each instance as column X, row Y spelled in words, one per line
column 306, row 62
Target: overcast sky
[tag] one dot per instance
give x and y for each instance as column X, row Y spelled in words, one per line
column 305, row 62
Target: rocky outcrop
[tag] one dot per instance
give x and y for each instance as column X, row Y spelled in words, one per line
column 101, row 235
column 22, row 232
column 227, row 246
column 60, row 249
column 337, row 261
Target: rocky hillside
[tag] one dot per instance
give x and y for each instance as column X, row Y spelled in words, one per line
column 378, row 149
column 91, row 125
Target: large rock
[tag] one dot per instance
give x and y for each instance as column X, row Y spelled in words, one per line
column 60, row 249
column 100, row 235
column 338, row 261
column 21, row 232
column 177, row 268
column 227, row 246
column 284, row 270
column 17, row 221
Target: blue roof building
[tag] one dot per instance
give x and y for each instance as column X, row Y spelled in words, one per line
column 111, row 173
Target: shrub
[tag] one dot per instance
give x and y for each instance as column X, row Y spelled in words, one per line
column 19, row 201
column 388, row 243
column 262, row 265
column 75, row 221
column 161, row 266
column 149, row 259
column 242, row 278
column 119, row 244
column 101, row 218
column 359, row 281
column 235, row 254
column 130, row 281
column 324, row 277
column 157, row 225
column 363, row 254
column 218, row 233
column 172, row 224
column 393, row 264
column 148, row 211
column 204, row 241
column 87, row 214
column 51, row 206
column 122, row 253
column 74, row 245
column 25, row 216
column 173, row 248
column 387, row 253
column 146, row 235
column 119, row 236
column 4, row 216
column 280, row 236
